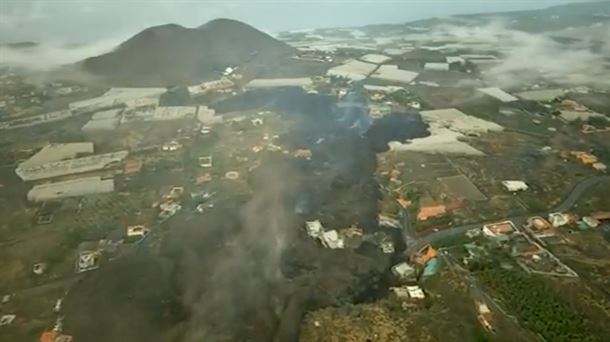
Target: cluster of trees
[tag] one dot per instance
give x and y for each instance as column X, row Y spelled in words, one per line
column 598, row 122
column 534, row 303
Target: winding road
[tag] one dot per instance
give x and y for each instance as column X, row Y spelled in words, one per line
column 565, row 205
column 414, row 245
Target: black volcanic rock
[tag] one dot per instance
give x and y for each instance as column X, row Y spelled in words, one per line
column 172, row 54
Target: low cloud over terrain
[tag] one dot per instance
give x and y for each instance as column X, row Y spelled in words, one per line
column 527, row 56
column 50, row 55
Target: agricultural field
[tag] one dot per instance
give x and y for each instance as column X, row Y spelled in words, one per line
column 539, row 308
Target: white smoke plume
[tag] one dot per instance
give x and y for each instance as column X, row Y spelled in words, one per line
column 245, row 278
column 527, row 57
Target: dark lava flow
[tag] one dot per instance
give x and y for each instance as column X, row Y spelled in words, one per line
column 246, row 271
column 396, row 127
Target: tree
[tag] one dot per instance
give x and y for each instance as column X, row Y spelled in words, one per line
column 598, row 122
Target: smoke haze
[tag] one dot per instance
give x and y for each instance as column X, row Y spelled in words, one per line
column 525, row 57
column 50, row 55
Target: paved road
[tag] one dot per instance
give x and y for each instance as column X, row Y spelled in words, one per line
column 565, row 205
column 578, row 190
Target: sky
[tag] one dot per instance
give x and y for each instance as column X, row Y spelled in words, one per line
column 84, row 21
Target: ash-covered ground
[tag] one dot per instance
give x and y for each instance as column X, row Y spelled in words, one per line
column 246, row 270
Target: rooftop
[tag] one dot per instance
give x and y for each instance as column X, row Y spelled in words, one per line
column 499, row 94
column 115, row 97
column 393, row 74
column 172, row 113
column 437, row 66
column 70, row 188
column 279, row 82
column 541, row 95
column 500, row 228
column 375, row 58
column 101, row 124
column 431, row 211
column 352, row 69
column 514, row 185
column 70, row 166
column 458, row 121
column 35, row 119
column 58, row 152
column 107, row 114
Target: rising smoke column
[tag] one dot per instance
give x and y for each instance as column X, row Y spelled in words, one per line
column 240, row 284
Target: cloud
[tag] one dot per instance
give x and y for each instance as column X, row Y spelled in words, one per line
column 48, row 56
column 526, row 57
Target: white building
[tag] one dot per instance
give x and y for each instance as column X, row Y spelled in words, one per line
column 258, row 83
column 559, row 219
column 141, row 102
column 591, row 221
column 499, row 94
column 398, row 51
column 7, row 319
column 409, row 291
column 171, row 146
column 375, row 58
column 70, row 188
column 228, row 71
column 314, row 229
column 205, row 161
column 416, row 292
column 480, row 59
column 543, row 95
column 136, row 231
column 403, row 270
column 115, row 97
column 599, row 166
column 455, row 59
column 437, row 66
column 393, row 74
column 329, row 239
column 332, row 240
column 353, row 70
column 207, row 116
column 383, row 89
column 386, row 221
column 107, row 114
column 573, row 115
column 172, row 113
column 58, row 152
column 101, row 125
column 87, row 261
column 514, row 185
column 70, row 166
column 36, row 119
column 104, row 121
column 498, row 229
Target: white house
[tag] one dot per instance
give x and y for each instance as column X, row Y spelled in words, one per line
column 514, row 186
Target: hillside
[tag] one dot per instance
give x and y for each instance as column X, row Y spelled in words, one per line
column 172, row 54
column 542, row 20
column 553, row 18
